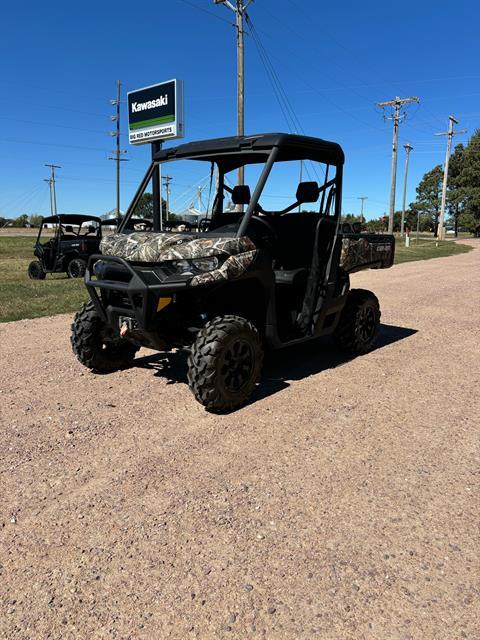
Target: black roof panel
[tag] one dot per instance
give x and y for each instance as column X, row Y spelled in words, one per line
column 237, row 150
column 71, row 218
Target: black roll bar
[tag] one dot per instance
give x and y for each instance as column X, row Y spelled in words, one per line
column 258, row 190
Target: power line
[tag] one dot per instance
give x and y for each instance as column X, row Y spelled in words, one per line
column 49, row 144
column 291, row 118
column 211, row 13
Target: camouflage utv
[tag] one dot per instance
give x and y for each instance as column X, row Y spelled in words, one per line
column 254, row 278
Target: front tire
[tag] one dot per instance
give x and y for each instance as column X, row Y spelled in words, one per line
column 359, row 323
column 225, row 362
column 98, row 346
column 76, row 268
column 36, row 270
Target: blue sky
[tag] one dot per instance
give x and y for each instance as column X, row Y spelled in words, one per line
column 60, row 62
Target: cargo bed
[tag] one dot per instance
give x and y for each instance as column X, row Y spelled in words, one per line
column 366, row 251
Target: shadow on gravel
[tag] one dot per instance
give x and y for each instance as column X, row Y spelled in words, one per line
column 281, row 367
column 171, row 366
column 295, row 363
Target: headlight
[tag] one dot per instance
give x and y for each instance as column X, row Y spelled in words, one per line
column 196, row 265
column 206, row 264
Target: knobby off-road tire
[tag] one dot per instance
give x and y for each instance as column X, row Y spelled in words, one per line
column 225, row 362
column 359, row 323
column 76, row 268
column 36, row 271
column 96, row 345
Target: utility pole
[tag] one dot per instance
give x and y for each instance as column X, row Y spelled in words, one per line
column 52, row 187
column 362, row 198
column 408, row 147
column 300, row 178
column 239, row 8
column 396, row 117
column 199, row 197
column 450, row 133
column 118, row 152
column 167, row 180
column 49, row 180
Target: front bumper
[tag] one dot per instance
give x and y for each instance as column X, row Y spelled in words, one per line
column 135, row 295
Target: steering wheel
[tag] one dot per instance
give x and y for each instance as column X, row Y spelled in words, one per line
column 268, row 214
column 266, row 233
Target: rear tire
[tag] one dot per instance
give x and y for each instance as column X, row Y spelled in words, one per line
column 225, row 362
column 76, row 268
column 97, row 345
column 36, row 270
column 359, row 323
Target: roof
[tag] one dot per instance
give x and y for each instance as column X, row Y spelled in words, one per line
column 71, row 218
column 132, row 221
column 235, row 151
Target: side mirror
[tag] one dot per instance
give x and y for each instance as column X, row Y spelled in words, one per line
column 307, row 192
column 241, row 194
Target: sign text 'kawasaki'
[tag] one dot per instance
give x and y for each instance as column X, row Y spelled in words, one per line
column 156, row 112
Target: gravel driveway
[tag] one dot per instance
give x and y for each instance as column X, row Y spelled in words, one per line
column 340, row 504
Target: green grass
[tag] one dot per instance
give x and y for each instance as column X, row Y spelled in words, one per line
column 427, row 249
column 22, row 298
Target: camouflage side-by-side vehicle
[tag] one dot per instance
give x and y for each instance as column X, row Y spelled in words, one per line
column 255, row 279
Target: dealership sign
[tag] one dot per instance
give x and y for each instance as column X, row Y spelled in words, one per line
column 156, row 112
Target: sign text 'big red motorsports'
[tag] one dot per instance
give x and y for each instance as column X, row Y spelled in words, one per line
column 156, row 112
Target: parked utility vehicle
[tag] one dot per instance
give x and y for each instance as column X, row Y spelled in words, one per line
column 75, row 239
column 256, row 279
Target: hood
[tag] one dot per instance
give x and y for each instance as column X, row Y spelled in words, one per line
column 150, row 246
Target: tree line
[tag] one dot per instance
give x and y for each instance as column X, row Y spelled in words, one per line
column 463, row 195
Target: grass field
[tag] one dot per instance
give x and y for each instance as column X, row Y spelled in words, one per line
column 426, row 249
column 21, row 297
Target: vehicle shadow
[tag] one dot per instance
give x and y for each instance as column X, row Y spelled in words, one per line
column 302, row 361
column 281, row 367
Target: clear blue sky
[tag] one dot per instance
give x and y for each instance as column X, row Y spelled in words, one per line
column 60, row 62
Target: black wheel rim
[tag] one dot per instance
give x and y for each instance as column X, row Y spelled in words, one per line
column 109, row 342
column 74, row 269
column 367, row 323
column 35, row 271
column 237, row 366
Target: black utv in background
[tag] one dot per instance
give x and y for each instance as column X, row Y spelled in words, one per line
column 255, row 279
column 75, row 239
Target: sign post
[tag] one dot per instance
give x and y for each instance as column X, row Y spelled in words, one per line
column 155, row 113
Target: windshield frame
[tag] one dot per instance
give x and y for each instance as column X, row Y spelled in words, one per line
column 269, row 158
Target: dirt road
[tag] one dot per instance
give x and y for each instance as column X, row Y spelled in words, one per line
column 340, row 504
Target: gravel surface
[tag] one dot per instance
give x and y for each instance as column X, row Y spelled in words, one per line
column 340, row 504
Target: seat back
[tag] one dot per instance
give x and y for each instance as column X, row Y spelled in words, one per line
column 296, row 237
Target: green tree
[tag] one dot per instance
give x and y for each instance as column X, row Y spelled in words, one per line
column 35, row 220
column 144, row 208
column 464, row 193
column 429, row 198
column 21, row 221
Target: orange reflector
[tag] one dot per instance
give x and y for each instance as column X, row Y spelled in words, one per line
column 162, row 303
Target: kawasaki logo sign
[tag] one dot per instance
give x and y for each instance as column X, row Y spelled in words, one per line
column 156, row 112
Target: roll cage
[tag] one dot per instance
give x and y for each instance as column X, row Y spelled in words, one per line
column 234, row 152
